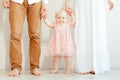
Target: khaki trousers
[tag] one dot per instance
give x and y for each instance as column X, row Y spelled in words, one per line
column 17, row 16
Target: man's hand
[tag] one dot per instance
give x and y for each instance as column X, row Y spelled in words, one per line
column 6, row 4
column 44, row 11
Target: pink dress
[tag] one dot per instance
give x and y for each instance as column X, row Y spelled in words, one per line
column 62, row 43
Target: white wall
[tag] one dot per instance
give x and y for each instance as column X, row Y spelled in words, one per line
column 113, row 30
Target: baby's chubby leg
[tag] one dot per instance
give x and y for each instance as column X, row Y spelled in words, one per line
column 68, row 64
column 55, row 64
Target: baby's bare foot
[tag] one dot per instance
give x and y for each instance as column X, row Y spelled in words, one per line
column 54, row 71
column 67, row 72
column 14, row 73
column 36, row 72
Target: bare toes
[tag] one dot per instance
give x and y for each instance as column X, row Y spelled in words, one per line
column 36, row 72
column 54, row 71
column 67, row 72
column 14, row 73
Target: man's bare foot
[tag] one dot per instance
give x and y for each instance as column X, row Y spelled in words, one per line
column 36, row 72
column 14, row 73
column 67, row 72
column 54, row 71
column 84, row 73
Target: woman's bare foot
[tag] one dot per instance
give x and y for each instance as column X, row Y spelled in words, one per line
column 84, row 73
column 36, row 72
column 14, row 73
column 54, row 71
column 92, row 72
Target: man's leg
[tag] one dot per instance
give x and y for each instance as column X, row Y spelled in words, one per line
column 33, row 17
column 16, row 17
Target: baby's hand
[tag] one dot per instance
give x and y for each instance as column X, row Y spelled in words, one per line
column 6, row 4
column 44, row 17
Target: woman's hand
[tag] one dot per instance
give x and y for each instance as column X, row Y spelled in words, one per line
column 111, row 5
column 68, row 9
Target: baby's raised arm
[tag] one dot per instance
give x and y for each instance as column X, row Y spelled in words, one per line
column 48, row 23
column 73, row 20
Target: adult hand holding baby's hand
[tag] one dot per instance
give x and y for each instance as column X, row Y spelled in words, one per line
column 111, row 5
column 69, row 10
column 44, row 11
column 6, row 4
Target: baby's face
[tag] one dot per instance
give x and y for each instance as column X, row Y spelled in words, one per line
column 61, row 18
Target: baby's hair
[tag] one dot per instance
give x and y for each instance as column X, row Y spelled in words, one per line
column 60, row 10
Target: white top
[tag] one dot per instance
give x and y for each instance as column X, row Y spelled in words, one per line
column 31, row 1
